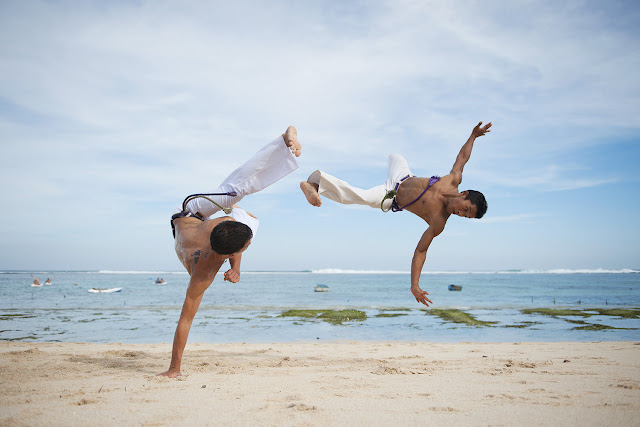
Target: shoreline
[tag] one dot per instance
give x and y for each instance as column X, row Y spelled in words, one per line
column 218, row 325
column 322, row 383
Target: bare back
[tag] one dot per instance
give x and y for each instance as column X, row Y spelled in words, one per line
column 193, row 246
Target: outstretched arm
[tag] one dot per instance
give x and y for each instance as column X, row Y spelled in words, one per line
column 465, row 152
column 419, row 257
column 189, row 308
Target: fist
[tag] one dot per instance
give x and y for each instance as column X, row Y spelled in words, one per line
column 232, row 276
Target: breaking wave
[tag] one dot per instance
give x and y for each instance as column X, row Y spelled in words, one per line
column 552, row 271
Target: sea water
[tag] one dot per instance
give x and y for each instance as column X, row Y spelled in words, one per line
column 252, row 310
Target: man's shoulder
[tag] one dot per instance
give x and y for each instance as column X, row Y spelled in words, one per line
column 450, row 179
column 438, row 223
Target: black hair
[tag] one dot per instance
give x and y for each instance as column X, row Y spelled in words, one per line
column 229, row 237
column 477, row 198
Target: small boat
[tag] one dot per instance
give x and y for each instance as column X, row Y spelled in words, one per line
column 455, row 288
column 321, row 288
column 104, row 291
column 36, row 286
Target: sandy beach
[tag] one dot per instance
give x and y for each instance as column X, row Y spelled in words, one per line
column 319, row 384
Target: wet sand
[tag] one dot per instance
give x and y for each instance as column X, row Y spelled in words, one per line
column 320, row 384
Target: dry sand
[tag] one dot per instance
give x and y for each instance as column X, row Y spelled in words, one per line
column 322, row 384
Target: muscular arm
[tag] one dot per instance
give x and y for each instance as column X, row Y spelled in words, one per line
column 189, row 308
column 465, row 152
column 233, row 274
column 419, row 257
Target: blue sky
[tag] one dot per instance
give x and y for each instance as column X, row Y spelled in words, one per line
column 112, row 112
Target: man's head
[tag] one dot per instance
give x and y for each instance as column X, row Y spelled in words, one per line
column 477, row 198
column 230, row 237
column 469, row 204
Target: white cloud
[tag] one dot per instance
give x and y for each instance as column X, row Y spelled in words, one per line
column 548, row 178
column 108, row 108
column 508, row 218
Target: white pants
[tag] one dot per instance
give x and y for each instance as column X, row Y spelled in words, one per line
column 342, row 192
column 270, row 164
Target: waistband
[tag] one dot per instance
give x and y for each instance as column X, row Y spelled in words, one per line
column 184, row 214
column 394, row 204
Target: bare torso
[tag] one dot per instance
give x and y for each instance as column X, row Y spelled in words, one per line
column 431, row 207
column 194, row 248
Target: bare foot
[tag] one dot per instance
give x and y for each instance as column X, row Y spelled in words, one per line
column 170, row 373
column 311, row 193
column 291, row 139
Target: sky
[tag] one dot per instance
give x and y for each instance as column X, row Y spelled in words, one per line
column 112, row 112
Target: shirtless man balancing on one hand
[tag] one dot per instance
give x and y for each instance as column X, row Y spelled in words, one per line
column 203, row 244
column 432, row 199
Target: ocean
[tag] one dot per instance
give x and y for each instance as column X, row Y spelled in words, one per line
column 500, row 306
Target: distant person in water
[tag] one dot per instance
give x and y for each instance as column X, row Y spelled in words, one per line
column 47, row 282
column 36, row 282
column 203, row 244
column 433, row 199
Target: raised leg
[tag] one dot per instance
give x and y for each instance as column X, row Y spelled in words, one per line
column 310, row 191
column 272, row 163
column 323, row 184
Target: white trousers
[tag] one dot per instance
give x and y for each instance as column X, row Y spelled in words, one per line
column 342, row 192
column 272, row 163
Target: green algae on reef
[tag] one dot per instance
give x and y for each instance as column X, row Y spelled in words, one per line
column 457, row 316
column 555, row 312
column 390, row 314
column 591, row 326
column 7, row 316
column 335, row 317
column 30, row 337
column 338, row 316
column 627, row 313
column 301, row 313
column 594, row 327
column 522, row 325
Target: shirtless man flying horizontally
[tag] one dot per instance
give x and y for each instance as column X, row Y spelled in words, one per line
column 203, row 244
column 433, row 199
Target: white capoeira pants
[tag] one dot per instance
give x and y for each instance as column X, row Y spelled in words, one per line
column 272, row 163
column 342, row 192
